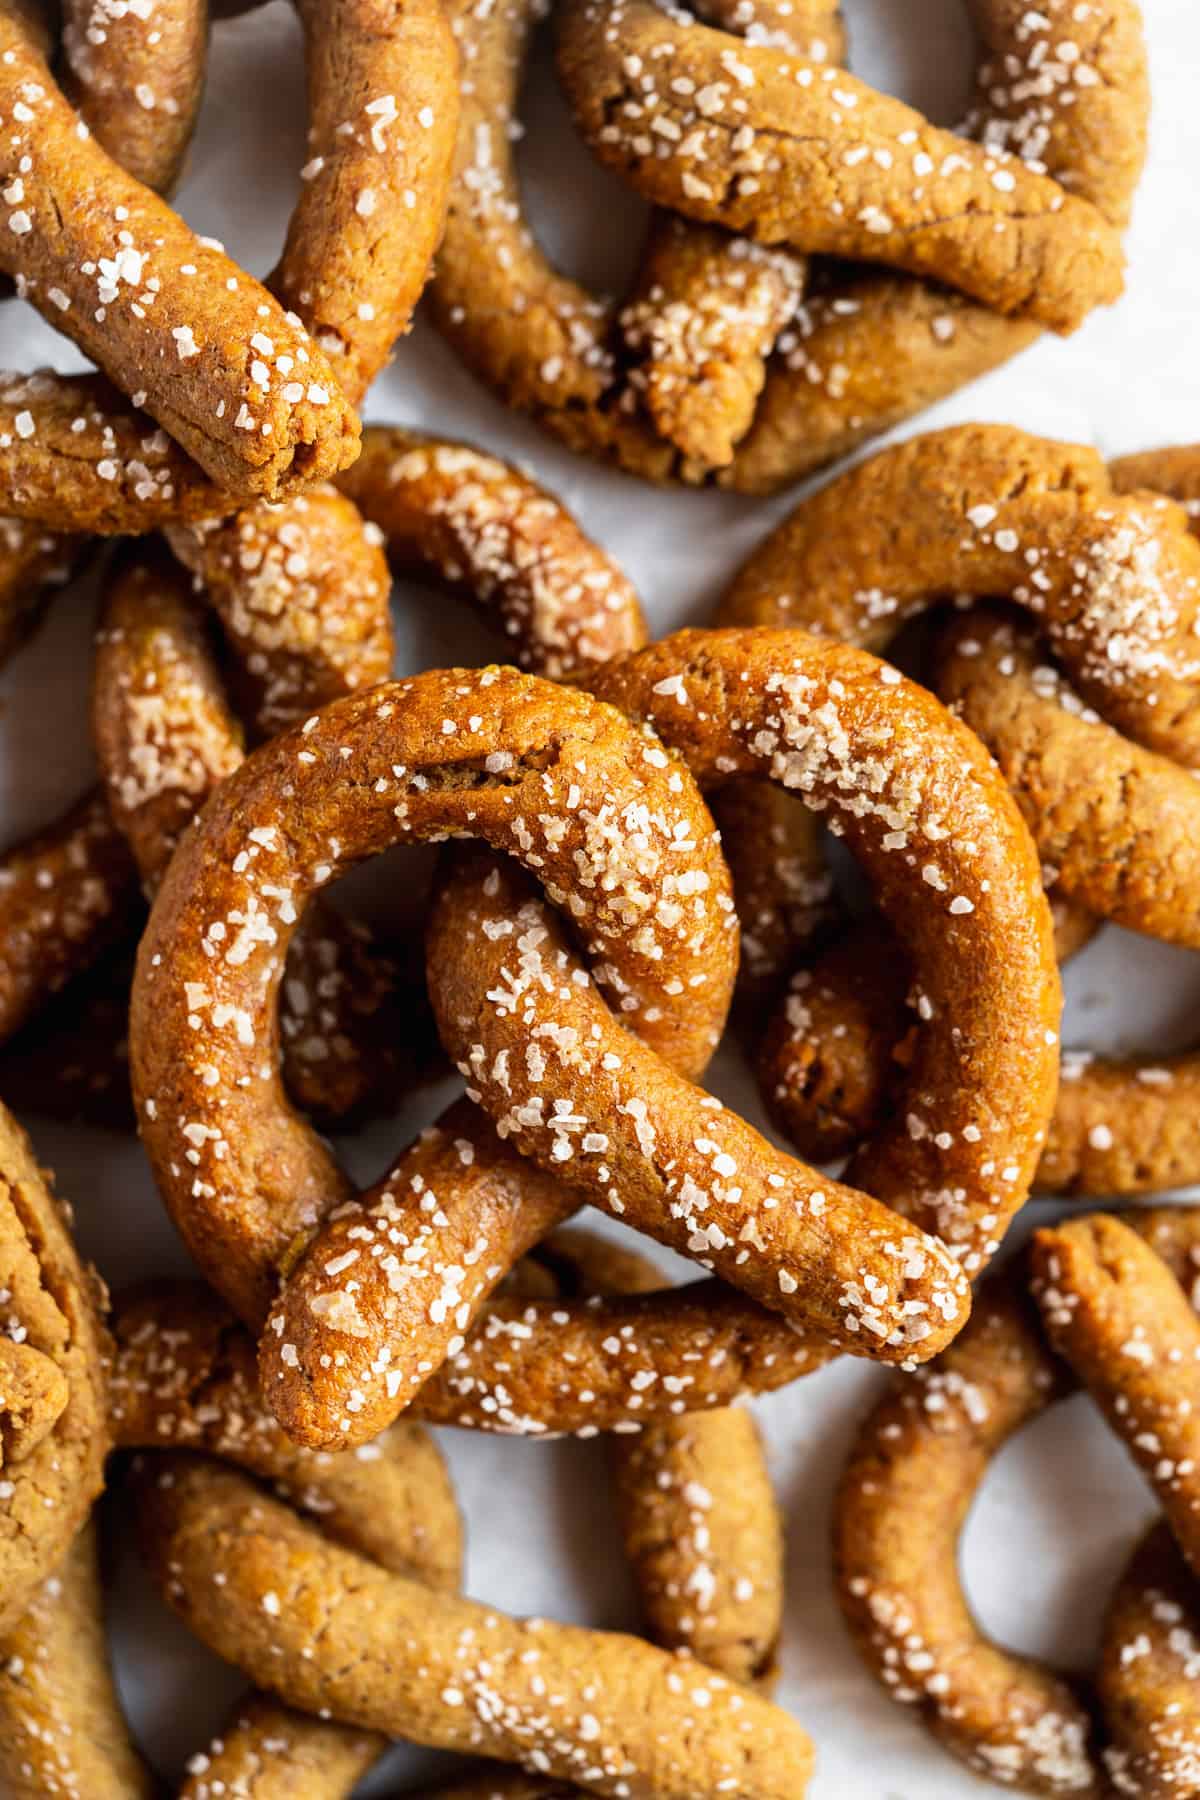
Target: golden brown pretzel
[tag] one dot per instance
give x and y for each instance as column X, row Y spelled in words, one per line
column 905, row 1493
column 699, row 1518
column 89, row 245
column 542, row 771
column 454, row 1673
column 1065, row 88
column 749, row 137
column 547, row 345
column 1147, row 1674
column 135, row 75
column 983, row 509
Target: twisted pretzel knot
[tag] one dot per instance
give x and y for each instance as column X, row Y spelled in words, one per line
column 1115, row 1318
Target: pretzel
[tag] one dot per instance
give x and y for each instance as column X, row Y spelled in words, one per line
column 698, row 1515
column 190, row 343
column 65, row 897
column 812, row 717
column 270, row 1752
column 152, row 57
column 52, row 1430
column 62, row 1731
column 794, row 153
column 32, row 564
column 1058, row 86
column 458, row 1675
column 1114, row 582
column 908, row 1484
column 1146, row 1676
column 564, row 775
column 1116, row 825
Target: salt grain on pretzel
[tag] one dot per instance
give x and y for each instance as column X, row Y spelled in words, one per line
column 921, row 807
column 330, row 1631
column 797, row 153
column 135, row 75
column 62, row 1731
column 53, row 1435
column 217, row 361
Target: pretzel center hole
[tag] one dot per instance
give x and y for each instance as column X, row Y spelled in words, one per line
column 1049, row 1533
column 590, row 224
column 923, row 52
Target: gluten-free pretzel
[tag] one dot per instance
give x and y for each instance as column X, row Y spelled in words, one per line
column 908, row 1485
column 218, row 362
column 135, row 75
column 1113, row 580
column 1147, row 1673
column 386, row 1286
column 62, row 1731
column 1114, row 823
column 796, row 153
column 611, row 823
column 1059, row 86
column 554, row 1698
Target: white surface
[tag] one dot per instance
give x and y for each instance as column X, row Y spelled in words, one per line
column 1062, row 1504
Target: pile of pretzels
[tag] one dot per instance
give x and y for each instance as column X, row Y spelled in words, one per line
column 632, row 853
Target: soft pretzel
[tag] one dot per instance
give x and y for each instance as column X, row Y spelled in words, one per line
column 1064, row 88
column 908, row 1485
column 1114, row 582
column 53, row 1436
column 62, row 1731
column 33, row 563
column 268, row 1751
column 343, row 1635
column 164, row 313
column 951, row 865
column 612, row 824
column 135, row 75
column 749, row 137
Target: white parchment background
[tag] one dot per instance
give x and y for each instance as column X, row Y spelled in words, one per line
column 1061, row 1506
